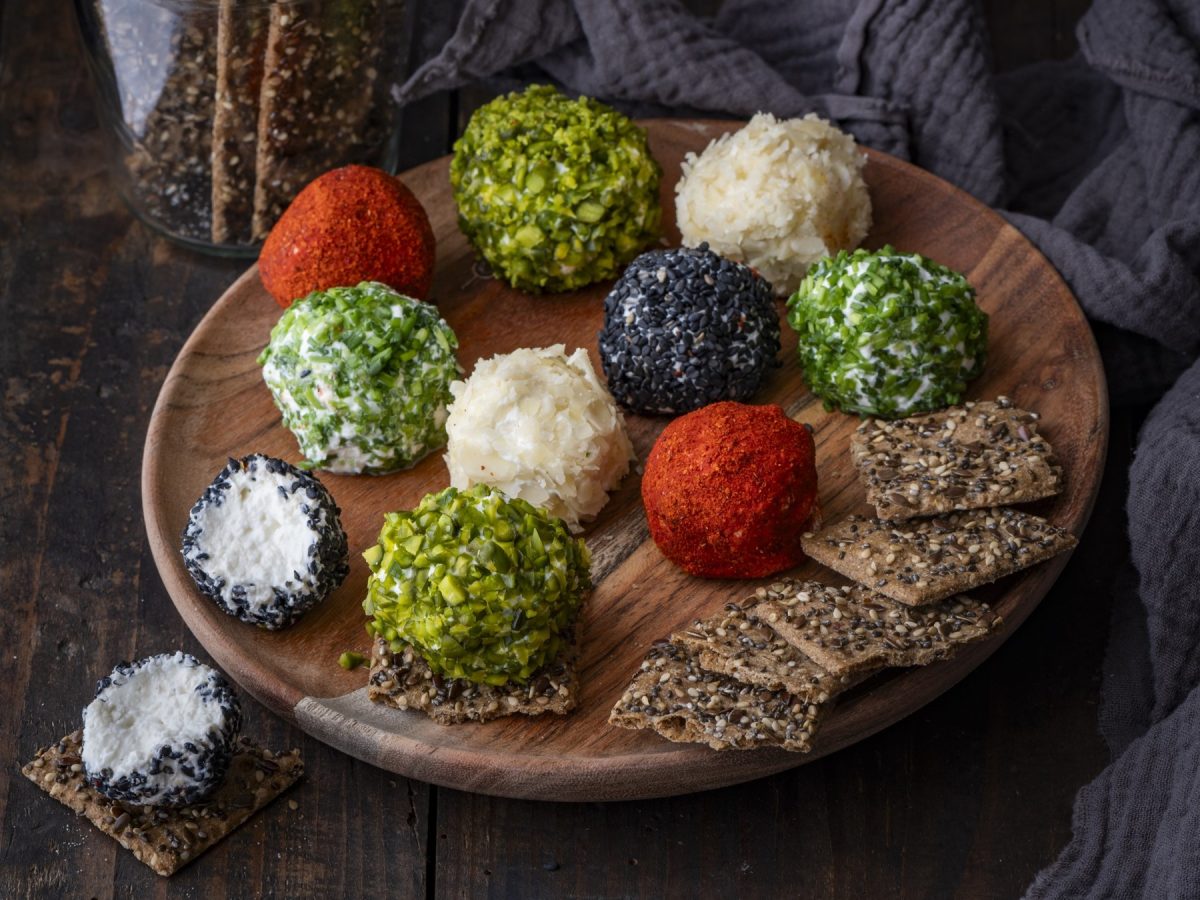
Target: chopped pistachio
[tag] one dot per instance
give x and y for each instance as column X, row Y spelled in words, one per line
column 555, row 193
column 483, row 586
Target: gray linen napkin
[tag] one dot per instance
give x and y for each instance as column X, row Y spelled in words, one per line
column 1097, row 160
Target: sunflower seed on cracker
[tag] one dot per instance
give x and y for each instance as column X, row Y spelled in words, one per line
column 924, row 560
column 849, row 630
column 405, row 681
column 673, row 696
column 738, row 644
column 167, row 838
column 967, row 457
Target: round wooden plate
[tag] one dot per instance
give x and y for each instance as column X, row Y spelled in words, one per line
column 214, row 405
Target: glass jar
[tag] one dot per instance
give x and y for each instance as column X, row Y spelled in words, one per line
column 220, row 111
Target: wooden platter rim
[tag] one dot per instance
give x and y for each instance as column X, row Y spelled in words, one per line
column 500, row 772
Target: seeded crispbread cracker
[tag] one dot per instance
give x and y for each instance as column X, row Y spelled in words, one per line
column 674, row 697
column 405, row 681
column 170, row 151
column 241, row 46
column 739, row 644
column 851, row 630
column 320, row 90
column 925, row 560
column 166, row 839
column 967, row 457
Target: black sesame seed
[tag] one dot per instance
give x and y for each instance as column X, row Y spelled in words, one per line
column 328, row 556
column 684, row 328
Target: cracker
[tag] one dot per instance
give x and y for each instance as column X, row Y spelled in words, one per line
column 738, row 644
column 241, row 46
column 405, row 681
column 850, row 630
column 673, row 696
column 926, row 560
column 322, row 96
column 967, row 457
column 166, row 839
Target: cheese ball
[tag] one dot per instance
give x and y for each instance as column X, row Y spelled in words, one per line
column 538, row 425
column 684, row 328
column 350, row 225
column 728, row 490
column 362, row 377
column 483, row 586
column 776, row 195
column 887, row 334
column 160, row 731
column 554, row 193
column 265, row 542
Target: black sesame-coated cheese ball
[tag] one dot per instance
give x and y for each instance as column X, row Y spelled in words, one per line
column 160, row 731
column 265, row 541
column 684, row 328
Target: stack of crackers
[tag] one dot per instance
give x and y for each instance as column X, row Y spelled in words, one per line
column 941, row 484
column 766, row 672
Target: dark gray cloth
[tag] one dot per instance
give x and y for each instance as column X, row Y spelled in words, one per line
column 1097, row 160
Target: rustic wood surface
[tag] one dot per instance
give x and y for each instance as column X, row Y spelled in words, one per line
column 969, row 797
column 214, row 405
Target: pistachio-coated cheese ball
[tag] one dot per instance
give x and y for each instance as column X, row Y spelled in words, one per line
column 554, row 193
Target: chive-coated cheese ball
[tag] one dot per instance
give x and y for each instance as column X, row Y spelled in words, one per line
column 362, row 377
column 887, row 334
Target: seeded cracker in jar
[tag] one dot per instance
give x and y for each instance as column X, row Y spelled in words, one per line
column 219, row 111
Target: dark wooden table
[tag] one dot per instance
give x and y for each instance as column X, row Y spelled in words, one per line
column 970, row 797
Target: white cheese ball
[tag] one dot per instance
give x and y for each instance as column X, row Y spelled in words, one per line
column 160, row 731
column 776, row 195
column 539, row 425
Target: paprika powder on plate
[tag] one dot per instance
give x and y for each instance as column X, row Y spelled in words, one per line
column 347, row 226
column 728, row 490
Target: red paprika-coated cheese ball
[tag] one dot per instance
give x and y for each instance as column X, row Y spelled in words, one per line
column 728, row 490
column 350, row 225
